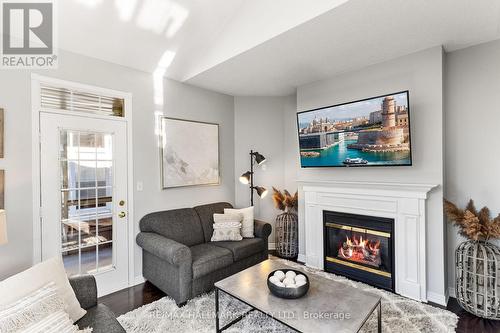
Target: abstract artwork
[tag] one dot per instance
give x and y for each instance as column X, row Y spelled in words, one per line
column 189, row 153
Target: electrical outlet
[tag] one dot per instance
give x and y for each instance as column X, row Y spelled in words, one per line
column 140, row 186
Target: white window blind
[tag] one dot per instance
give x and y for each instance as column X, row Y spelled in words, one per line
column 78, row 101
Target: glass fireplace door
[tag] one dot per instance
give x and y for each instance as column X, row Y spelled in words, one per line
column 360, row 247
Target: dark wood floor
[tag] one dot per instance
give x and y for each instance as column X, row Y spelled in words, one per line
column 469, row 323
column 129, row 299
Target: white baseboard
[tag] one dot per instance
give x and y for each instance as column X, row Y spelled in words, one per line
column 451, row 292
column 138, row 280
column 437, row 298
column 272, row 246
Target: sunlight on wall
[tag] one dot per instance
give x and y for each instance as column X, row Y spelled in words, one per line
column 158, row 77
column 90, row 3
column 161, row 17
column 126, row 9
column 178, row 16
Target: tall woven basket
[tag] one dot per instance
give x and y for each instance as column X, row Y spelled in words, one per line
column 287, row 232
column 478, row 278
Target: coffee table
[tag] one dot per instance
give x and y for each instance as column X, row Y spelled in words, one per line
column 329, row 306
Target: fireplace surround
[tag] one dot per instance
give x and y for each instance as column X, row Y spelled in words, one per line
column 404, row 203
column 359, row 247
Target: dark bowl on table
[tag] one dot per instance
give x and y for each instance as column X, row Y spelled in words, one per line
column 288, row 293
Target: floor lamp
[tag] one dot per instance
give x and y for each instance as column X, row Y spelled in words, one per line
column 247, row 177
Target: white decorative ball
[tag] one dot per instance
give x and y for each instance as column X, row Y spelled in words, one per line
column 274, row 279
column 290, row 274
column 279, row 284
column 288, row 281
column 300, row 283
column 300, row 277
column 291, row 286
column 280, row 275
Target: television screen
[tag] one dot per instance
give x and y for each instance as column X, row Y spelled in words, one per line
column 369, row 132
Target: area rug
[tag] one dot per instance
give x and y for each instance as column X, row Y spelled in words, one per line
column 399, row 314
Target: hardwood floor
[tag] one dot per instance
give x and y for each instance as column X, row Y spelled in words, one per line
column 132, row 298
column 470, row 323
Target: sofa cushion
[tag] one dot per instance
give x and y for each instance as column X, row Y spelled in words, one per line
column 244, row 248
column 101, row 319
column 51, row 270
column 206, row 216
column 181, row 225
column 208, row 258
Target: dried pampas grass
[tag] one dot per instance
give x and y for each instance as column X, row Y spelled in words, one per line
column 283, row 200
column 473, row 224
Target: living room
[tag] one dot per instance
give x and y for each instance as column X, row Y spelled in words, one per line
column 167, row 165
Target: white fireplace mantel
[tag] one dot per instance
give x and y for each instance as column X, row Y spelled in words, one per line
column 405, row 203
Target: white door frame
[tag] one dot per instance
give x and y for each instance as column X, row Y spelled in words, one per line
column 36, row 81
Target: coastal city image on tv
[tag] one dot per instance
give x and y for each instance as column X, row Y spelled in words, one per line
column 370, row 132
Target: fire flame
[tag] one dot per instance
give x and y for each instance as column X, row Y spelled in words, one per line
column 362, row 250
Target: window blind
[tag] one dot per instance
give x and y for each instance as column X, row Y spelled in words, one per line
column 78, row 101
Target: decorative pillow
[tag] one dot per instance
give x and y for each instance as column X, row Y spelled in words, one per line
column 36, row 277
column 233, row 217
column 40, row 311
column 247, row 222
column 227, row 227
column 57, row 322
column 226, row 231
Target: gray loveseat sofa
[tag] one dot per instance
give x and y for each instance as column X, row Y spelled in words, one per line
column 179, row 258
column 98, row 316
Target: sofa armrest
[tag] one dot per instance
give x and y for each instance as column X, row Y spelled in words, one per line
column 262, row 229
column 164, row 248
column 85, row 289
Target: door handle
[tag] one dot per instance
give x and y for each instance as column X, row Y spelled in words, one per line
column 122, row 215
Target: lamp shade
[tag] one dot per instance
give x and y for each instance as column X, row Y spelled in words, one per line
column 261, row 191
column 245, row 178
column 259, row 158
column 3, row 227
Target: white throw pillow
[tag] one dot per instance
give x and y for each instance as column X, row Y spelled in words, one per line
column 233, row 217
column 227, row 227
column 247, row 222
column 227, row 231
column 36, row 277
column 40, row 311
column 56, row 322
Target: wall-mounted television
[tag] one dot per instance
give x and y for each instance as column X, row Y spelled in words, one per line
column 370, row 132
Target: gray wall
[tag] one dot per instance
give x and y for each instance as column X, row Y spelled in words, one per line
column 180, row 100
column 422, row 74
column 259, row 126
column 472, row 97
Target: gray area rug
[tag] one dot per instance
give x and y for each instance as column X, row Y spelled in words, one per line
column 399, row 314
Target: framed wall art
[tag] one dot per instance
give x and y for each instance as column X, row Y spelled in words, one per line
column 189, row 153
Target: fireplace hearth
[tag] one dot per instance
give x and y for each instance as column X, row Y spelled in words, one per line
column 360, row 247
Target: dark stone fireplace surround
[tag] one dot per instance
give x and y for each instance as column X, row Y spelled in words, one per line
column 384, row 276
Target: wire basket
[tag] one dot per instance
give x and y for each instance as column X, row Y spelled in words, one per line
column 287, row 240
column 477, row 283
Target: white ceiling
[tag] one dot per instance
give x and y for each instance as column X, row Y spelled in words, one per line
column 262, row 47
column 200, row 33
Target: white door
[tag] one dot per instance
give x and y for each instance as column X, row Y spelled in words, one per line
column 84, row 196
